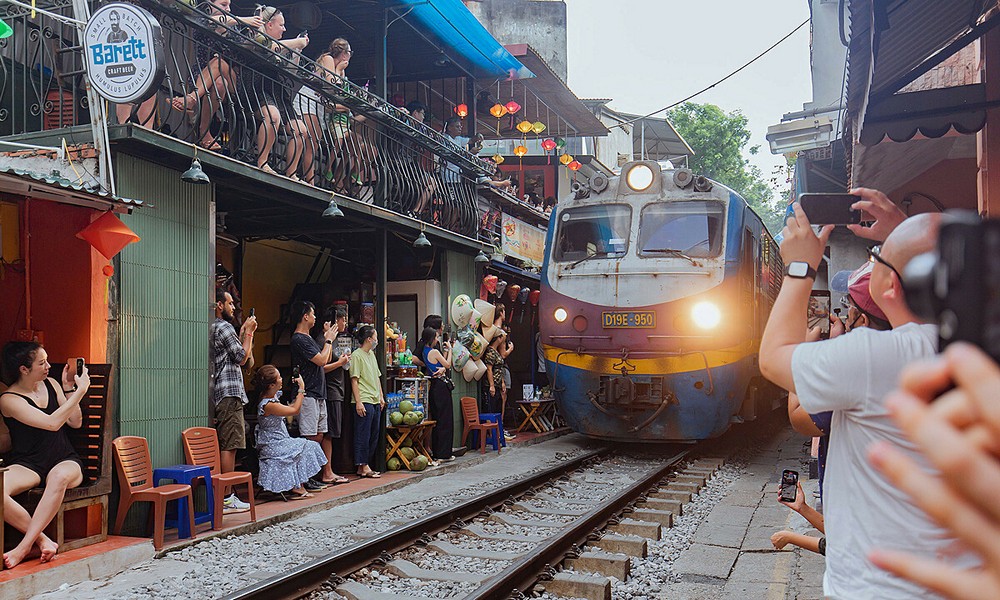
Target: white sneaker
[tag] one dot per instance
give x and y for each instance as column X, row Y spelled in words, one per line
column 232, row 504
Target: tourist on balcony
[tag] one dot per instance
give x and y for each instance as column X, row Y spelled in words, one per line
column 286, row 463
column 418, row 112
column 36, row 408
column 271, row 100
column 212, row 75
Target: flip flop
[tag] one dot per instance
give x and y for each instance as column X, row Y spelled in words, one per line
column 336, row 481
column 371, row 475
column 295, row 496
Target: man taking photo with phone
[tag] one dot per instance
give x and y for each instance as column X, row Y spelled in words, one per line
column 850, row 375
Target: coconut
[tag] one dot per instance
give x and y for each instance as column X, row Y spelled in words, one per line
column 419, row 463
column 405, row 406
column 395, row 417
column 409, row 453
column 394, row 464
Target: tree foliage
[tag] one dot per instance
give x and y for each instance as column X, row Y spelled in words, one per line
column 719, row 140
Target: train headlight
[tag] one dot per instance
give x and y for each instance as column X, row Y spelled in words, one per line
column 560, row 315
column 639, row 177
column 706, row 315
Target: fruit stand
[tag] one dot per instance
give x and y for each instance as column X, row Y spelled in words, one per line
column 407, row 444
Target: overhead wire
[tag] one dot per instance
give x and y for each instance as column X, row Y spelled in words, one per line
column 705, row 89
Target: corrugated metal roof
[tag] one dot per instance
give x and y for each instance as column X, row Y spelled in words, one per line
column 55, row 180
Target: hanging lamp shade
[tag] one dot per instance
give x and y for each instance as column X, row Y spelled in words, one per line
column 560, row 143
column 548, row 145
column 498, row 110
column 574, row 165
column 538, row 127
column 5, row 30
column 462, row 110
column 525, row 126
column 497, row 158
column 512, row 107
column 108, row 235
column 565, row 159
column 520, row 151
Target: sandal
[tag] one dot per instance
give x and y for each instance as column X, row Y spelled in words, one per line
column 187, row 103
column 267, row 169
column 336, row 480
column 371, row 475
column 298, row 496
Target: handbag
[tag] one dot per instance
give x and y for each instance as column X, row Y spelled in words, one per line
column 448, row 382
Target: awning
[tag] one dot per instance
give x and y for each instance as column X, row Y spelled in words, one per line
column 544, row 97
column 896, row 42
column 656, row 139
column 509, row 269
column 458, row 29
column 59, row 189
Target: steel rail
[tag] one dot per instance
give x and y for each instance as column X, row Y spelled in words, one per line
column 523, row 574
column 306, row 577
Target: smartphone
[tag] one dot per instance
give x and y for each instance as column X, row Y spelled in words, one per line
column 295, row 372
column 79, row 367
column 830, row 209
column 252, row 311
column 789, row 485
column 818, row 313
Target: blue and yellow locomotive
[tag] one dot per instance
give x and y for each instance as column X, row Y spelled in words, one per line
column 655, row 290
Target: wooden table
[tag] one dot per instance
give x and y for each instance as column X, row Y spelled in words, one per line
column 537, row 413
column 396, row 435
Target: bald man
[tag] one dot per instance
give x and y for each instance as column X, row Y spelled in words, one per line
column 851, row 375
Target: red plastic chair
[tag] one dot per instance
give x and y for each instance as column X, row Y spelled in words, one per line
column 470, row 418
column 201, row 447
column 135, row 476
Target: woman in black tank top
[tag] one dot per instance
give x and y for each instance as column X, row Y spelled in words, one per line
column 36, row 409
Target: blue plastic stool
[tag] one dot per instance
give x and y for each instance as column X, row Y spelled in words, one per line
column 492, row 418
column 187, row 474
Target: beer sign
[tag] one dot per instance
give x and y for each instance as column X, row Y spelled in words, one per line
column 124, row 53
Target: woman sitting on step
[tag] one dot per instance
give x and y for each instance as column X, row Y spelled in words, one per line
column 286, row 463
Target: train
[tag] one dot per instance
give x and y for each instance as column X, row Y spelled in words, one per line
column 655, row 289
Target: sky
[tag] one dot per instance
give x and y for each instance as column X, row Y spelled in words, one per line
column 646, row 54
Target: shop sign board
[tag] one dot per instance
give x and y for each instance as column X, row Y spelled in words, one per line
column 522, row 240
column 124, row 53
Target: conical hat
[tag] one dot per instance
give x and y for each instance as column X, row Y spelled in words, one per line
column 459, row 355
column 461, row 310
column 478, row 346
column 487, row 310
column 475, row 319
column 490, row 332
column 482, row 369
column 469, row 370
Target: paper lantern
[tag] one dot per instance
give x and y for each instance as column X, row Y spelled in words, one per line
column 513, row 291
column 560, row 143
column 520, row 151
column 498, row 110
column 565, row 159
column 462, row 110
column 534, row 296
column 490, row 281
column 548, row 145
column 525, row 126
column 574, row 165
column 512, row 107
column 538, row 127
column 497, row 158
column 108, row 235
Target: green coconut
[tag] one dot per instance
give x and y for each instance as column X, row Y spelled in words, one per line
column 395, row 418
column 409, row 453
column 407, row 443
column 405, row 406
column 419, row 463
column 394, row 464
column 410, row 418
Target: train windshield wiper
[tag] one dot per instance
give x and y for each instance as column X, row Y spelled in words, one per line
column 672, row 251
column 588, row 257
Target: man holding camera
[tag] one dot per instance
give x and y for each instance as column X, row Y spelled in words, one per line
column 228, row 353
column 311, row 360
column 850, row 375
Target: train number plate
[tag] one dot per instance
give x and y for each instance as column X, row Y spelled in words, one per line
column 628, row 320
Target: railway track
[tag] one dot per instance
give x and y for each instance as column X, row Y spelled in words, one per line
column 595, row 499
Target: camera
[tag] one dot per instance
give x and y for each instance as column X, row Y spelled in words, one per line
column 958, row 285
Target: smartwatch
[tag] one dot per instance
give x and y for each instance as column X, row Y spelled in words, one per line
column 328, row 342
column 800, row 270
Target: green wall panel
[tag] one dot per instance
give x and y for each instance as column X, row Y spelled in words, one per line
column 164, row 308
column 460, row 278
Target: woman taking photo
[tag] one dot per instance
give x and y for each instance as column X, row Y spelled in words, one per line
column 369, row 400
column 440, row 394
column 35, row 409
column 286, row 463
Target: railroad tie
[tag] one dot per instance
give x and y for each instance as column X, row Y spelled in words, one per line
column 450, row 549
column 663, row 517
column 479, row 532
column 625, row 544
column 694, row 478
column 575, row 585
column 353, row 590
column 408, row 570
column 515, row 522
column 561, row 512
column 646, row 529
column 674, row 506
column 609, row 564
column 670, row 493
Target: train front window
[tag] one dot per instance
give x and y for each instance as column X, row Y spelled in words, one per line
column 593, row 231
column 689, row 229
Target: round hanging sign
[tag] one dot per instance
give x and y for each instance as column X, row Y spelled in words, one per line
column 125, row 58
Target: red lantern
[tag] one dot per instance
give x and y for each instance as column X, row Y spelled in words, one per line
column 534, row 296
column 462, row 110
column 574, row 165
column 548, row 145
column 512, row 107
column 108, row 235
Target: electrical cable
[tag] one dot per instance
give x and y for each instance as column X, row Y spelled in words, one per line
column 705, row 89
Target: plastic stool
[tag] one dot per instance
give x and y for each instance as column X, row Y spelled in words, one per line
column 187, row 474
column 493, row 418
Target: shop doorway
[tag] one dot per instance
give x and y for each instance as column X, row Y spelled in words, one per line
column 402, row 309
